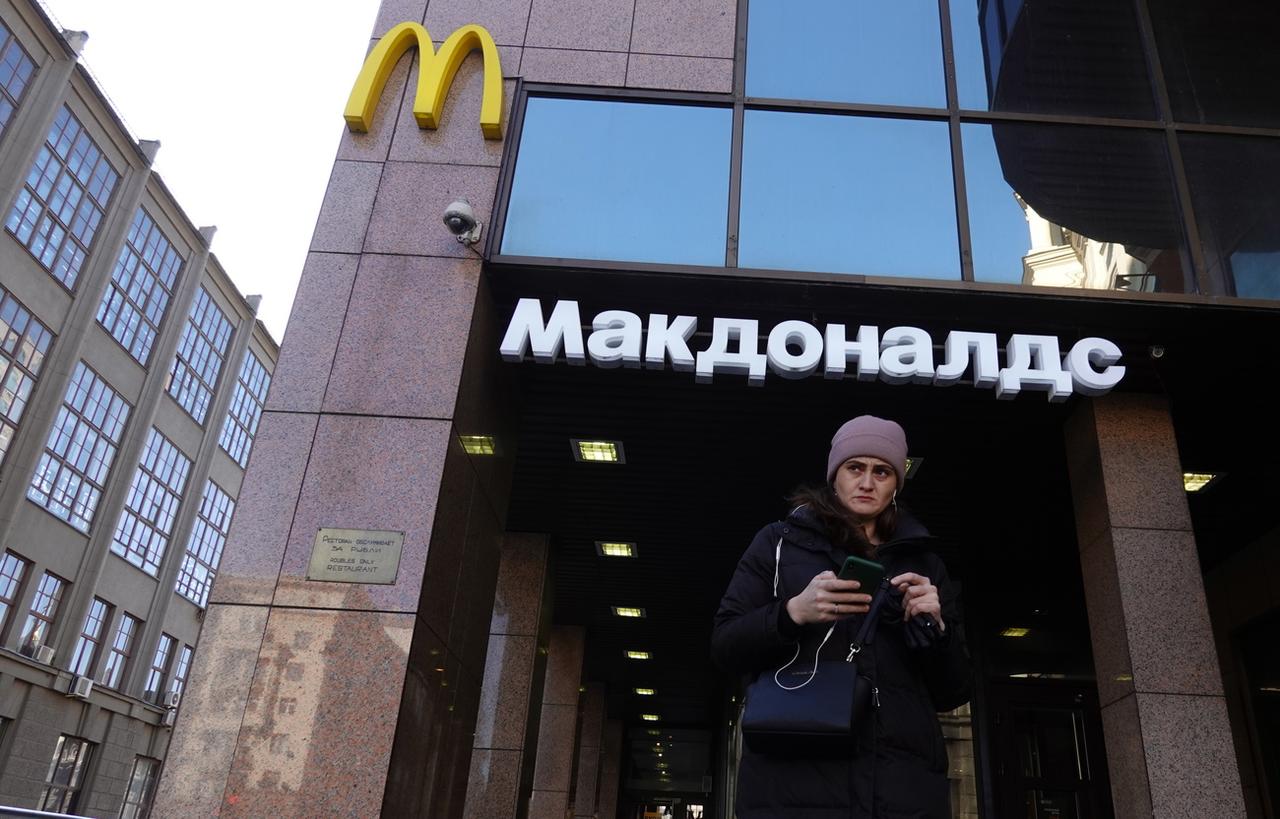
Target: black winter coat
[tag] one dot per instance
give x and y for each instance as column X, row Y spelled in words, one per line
column 900, row 768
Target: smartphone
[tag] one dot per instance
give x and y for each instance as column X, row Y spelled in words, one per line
column 867, row 572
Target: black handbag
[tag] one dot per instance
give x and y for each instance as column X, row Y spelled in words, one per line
column 782, row 715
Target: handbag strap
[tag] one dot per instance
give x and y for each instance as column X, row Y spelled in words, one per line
column 863, row 638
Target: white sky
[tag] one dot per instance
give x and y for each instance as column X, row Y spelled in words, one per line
column 246, row 99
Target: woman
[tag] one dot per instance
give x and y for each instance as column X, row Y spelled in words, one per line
column 917, row 658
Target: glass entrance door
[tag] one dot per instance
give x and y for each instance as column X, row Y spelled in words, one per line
column 1047, row 755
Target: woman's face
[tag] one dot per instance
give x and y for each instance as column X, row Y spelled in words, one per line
column 865, row 485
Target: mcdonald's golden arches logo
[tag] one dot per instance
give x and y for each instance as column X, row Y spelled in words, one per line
column 435, row 75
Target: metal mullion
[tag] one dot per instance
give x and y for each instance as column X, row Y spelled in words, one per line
column 1182, row 189
column 1231, row 130
column 957, row 154
column 506, row 172
column 591, row 92
column 735, row 145
column 993, row 117
column 846, row 108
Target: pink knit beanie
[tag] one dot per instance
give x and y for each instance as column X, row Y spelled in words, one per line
column 869, row 435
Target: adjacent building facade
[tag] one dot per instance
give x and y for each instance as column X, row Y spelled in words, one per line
column 134, row 375
column 1044, row 235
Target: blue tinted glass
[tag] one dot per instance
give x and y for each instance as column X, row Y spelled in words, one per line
column 848, row 195
column 1062, row 206
column 997, row 224
column 966, row 40
column 873, row 51
column 1235, row 191
column 1061, row 57
column 621, row 181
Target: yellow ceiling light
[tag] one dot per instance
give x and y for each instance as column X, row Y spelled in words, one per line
column 628, row 611
column 479, row 444
column 597, row 452
column 645, row 692
column 649, row 717
column 616, row 548
column 1015, row 631
column 1196, row 481
column 638, row 655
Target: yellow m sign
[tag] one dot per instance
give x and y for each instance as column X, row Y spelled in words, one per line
column 435, row 75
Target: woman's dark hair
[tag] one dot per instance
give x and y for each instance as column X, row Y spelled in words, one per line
column 842, row 528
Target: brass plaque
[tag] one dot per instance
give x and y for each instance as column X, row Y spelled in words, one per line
column 356, row 556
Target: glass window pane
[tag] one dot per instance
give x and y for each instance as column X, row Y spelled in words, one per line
column 1235, row 191
column 1063, row 206
column 847, row 194
column 1220, row 61
column 623, row 181
column 1081, row 57
column 867, row 51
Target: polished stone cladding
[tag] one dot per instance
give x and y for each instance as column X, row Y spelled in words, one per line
column 348, row 699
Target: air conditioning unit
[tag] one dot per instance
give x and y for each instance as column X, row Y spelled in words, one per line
column 172, row 699
column 80, row 687
column 44, row 654
column 169, row 717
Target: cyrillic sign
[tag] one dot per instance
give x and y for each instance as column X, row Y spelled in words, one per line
column 435, row 75
column 798, row 349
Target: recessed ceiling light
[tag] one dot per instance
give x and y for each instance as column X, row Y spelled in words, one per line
column 616, row 548
column 645, row 692
column 662, row 766
column 639, row 655
column 653, row 732
column 479, row 444
column 649, row 717
column 913, row 466
column 1197, row 481
column 598, row 452
column 628, row 611
column 1015, row 631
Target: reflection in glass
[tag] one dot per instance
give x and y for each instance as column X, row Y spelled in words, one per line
column 1235, row 191
column 957, row 732
column 1072, row 207
column 868, row 51
column 1220, row 60
column 847, row 194
column 1080, row 57
column 623, row 181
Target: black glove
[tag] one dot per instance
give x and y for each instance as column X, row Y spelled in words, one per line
column 919, row 632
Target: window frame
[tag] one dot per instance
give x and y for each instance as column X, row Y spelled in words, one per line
column 141, row 809
column 32, row 344
column 119, row 657
column 213, row 540
column 238, row 432
column 1207, row 290
column 39, row 624
column 88, row 648
column 12, row 41
column 159, row 674
column 66, row 798
column 151, row 500
column 122, row 297
column 9, row 604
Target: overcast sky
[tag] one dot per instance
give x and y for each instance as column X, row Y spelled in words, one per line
column 246, row 99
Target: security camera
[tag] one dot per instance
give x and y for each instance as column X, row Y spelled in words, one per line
column 461, row 220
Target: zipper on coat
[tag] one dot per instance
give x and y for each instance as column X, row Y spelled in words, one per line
column 875, row 696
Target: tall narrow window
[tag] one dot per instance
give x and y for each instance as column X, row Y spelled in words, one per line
column 146, row 521
column 246, row 409
column 159, row 669
column 61, row 206
column 121, row 650
column 194, row 374
column 142, row 789
column 44, row 610
column 12, row 570
column 16, row 69
column 23, row 344
column 204, row 548
column 180, row 671
column 82, row 444
column 141, row 285
column 90, row 638
column 66, row 774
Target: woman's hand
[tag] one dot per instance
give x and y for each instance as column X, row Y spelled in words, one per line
column 919, row 596
column 827, row 599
